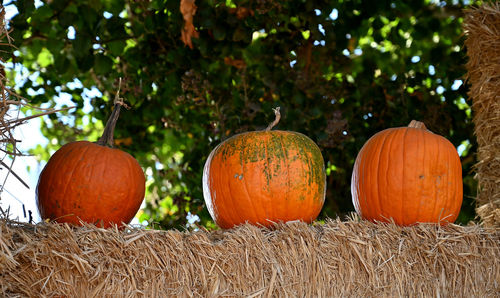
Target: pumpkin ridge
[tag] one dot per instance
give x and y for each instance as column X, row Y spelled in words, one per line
column 421, row 137
column 447, row 182
column 97, row 166
column 306, row 162
column 281, row 170
column 313, row 175
column 288, row 183
column 317, row 168
column 250, row 202
column 429, row 157
column 268, row 175
column 133, row 173
column 388, row 143
column 292, row 139
column 229, row 212
column 429, row 145
column 245, row 186
column 59, row 159
column 88, row 180
column 267, row 170
column 41, row 189
column 74, row 169
column 261, row 182
column 371, row 179
column 379, row 149
column 457, row 190
column 403, row 192
column 235, row 210
column 365, row 166
column 105, row 168
column 315, row 162
column 446, row 207
column 254, row 157
column 231, row 200
column 400, row 137
column 311, row 168
column 128, row 190
column 132, row 189
column 436, row 189
column 59, row 162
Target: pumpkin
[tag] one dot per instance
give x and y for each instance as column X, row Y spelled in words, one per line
column 91, row 182
column 408, row 175
column 264, row 177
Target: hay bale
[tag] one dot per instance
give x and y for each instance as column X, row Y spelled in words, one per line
column 482, row 27
column 330, row 260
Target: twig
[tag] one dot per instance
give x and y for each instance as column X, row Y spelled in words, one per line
column 14, row 173
column 38, row 115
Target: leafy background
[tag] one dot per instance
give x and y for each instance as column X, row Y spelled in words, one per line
column 340, row 71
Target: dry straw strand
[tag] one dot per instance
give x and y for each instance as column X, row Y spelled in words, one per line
column 482, row 28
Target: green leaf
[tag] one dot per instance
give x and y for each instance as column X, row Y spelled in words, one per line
column 55, row 45
column 103, row 64
column 26, row 7
column 116, row 47
column 85, row 63
column 219, row 33
column 114, row 6
column 45, row 58
column 82, row 44
column 89, row 16
column 67, row 19
column 44, row 12
column 61, row 64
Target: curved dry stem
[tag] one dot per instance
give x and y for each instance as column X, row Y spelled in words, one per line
column 276, row 120
column 417, row 124
column 107, row 136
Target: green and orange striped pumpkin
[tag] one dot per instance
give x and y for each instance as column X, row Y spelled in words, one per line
column 264, row 177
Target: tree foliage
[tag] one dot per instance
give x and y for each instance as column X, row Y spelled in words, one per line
column 340, row 71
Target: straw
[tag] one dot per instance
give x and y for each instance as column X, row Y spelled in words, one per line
column 335, row 259
column 482, row 28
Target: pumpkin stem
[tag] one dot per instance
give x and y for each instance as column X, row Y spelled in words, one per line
column 276, row 120
column 417, row 124
column 107, row 136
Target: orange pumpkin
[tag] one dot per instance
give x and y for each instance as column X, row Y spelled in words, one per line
column 91, row 182
column 409, row 175
column 264, row 177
